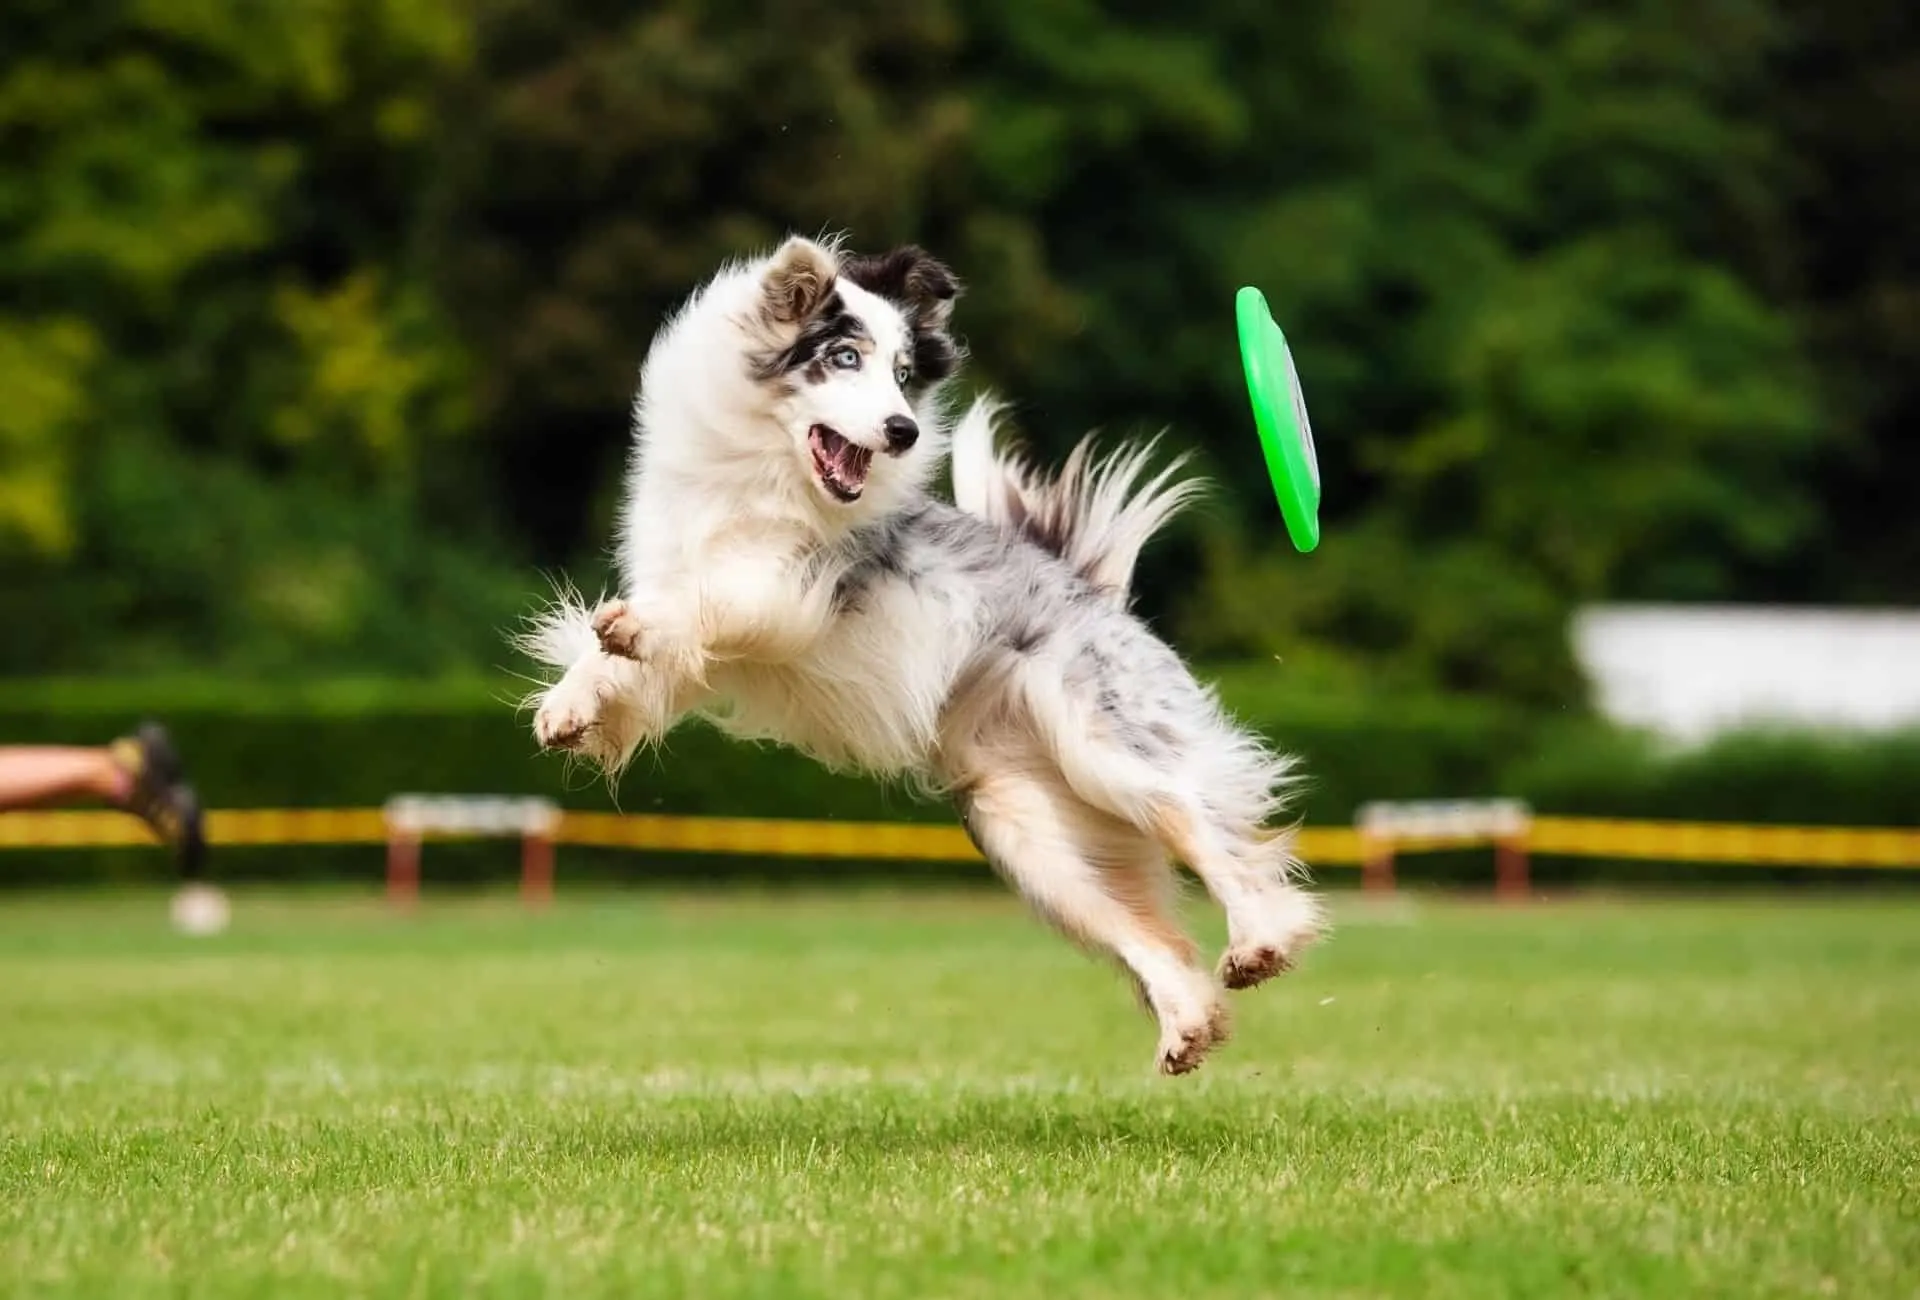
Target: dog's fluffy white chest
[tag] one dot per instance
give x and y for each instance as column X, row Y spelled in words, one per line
column 870, row 689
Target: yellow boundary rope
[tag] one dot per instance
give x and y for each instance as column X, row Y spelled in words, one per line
column 1806, row 846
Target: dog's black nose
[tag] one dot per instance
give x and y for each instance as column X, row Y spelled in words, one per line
column 901, row 433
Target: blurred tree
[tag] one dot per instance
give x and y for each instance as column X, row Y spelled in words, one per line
column 226, row 367
column 607, row 158
column 1539, row 374
column 319, row 323
column 1845, row 102
column 43, row 366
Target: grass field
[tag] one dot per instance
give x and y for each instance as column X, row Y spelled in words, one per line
column 929, row 1096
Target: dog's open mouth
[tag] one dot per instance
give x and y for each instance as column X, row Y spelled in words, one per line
column 841, row 466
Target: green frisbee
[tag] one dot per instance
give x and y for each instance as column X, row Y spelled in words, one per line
column 1280, row 415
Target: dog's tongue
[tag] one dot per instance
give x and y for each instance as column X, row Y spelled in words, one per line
column 850, row 462
column 840, row 463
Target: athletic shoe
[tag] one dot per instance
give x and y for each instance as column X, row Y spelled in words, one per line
column 160, row 796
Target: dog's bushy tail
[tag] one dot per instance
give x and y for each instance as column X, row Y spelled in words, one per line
column 1096, row 514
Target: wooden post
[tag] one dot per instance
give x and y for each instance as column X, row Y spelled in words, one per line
column 1510, row 881
column 1376, row 864
column 403, row 869
column 536, row 868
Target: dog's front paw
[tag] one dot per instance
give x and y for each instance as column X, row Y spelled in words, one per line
column 564, row 719
column 621, row 633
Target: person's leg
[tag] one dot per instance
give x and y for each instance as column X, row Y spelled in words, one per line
column 140, row 772
column 32, row 776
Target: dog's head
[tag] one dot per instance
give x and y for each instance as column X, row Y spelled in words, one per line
column 855, row 348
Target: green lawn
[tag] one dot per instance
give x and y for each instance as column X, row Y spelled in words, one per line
column 930, row 1096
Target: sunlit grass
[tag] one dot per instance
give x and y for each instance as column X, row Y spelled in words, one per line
column 929, row 1095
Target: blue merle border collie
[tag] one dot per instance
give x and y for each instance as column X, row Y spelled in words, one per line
column 787, row 574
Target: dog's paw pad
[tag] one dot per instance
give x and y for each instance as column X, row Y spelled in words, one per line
column 1183, row 1048
column 609, row 613
column 619, row 631
column 561, row 728
column 1182, row 1053
column 1245, row 966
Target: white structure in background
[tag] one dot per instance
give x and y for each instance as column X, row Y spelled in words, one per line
column 1691, row 671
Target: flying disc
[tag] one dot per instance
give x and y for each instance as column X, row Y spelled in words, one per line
column 1280, row 416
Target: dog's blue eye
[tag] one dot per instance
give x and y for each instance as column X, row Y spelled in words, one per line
column 901, row 374
column 845, row 358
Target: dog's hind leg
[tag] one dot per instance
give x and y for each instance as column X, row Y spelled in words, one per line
column 1188, row 779
column 1249, row 871
column 1106, row 886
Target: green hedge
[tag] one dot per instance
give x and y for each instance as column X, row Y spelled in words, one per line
column 1787, row 777
column 354, row 743
column 1767, row 775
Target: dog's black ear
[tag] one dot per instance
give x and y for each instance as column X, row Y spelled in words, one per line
column 912, row 278
column 798, row 280
column 925, row 290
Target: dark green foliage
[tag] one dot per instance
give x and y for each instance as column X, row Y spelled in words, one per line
column 1847, row 90
column 1771, row 777
column 1774, row 776
column 241, row 407
column 317, row 332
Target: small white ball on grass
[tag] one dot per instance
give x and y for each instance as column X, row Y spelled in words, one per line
column 200, row 909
